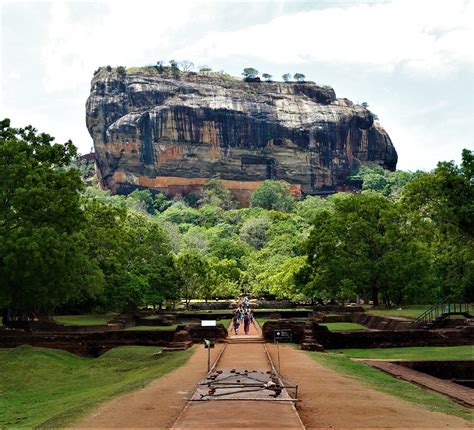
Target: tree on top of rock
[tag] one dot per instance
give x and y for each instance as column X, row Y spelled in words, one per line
column 267, row 77
column 187, row 65
column 299, row 77
column 249, row 73
column 286, row 77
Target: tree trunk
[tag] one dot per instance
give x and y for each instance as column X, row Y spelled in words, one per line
column 375, row 296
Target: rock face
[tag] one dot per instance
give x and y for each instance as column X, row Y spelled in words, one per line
column 171, row 132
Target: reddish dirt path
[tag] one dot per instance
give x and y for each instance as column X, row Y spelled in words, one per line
column 331, row 400
column 328, row 400
column 159, row 404
column 235, row 414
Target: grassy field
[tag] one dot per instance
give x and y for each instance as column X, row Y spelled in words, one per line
column 410, row 311
column 87, row 319
column 464, row 352
column 49, row 388
column 388, row 384
column 344, row 326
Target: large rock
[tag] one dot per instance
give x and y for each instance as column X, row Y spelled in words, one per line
column 173, row 131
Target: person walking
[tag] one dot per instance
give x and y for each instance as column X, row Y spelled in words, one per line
column 236, row 323
column 246, row 322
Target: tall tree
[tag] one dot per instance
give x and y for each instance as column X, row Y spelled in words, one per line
column 272, row 195
column 43, row 253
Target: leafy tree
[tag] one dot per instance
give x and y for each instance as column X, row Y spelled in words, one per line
column 43, row 252
column 272, row 195
column 121, row 70
column 364, row 246
column 254, row 231
column 161, row 203
column 249, row 73
column 187, row 65
column 286, row 77
column 216, row 194
column 174, row 65
column 267, row 77
column 204, row 69
column 299, row 77
column 193, row 269
column 445, row 198
column 142, row 201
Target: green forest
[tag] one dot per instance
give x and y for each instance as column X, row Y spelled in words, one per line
column 406, row 238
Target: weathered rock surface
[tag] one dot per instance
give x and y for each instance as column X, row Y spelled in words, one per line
column 172, row 132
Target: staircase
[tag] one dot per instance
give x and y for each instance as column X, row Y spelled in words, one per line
column 308, row 342
column 437, row 313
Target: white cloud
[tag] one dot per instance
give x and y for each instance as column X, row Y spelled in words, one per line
column 126, row 33
column 429, row 37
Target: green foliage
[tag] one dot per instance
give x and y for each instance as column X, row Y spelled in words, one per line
column 299, row 77
column 390, row 184
column 36, row 382
column 121, row 70
column 249, row 73
column 445, row 199
column 286, row 77
column 463, row 352
column 365, row 246
column 254, row 231
column 272, row 195
column 43, row 252
column 216, row 194
column 267, row 77
column 194, row 271
column 204, row 69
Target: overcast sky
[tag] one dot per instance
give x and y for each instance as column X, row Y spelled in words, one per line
column 412, row 61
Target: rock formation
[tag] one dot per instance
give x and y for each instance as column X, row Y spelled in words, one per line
column 172, row 131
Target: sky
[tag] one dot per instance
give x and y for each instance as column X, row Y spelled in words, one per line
column 412, row 61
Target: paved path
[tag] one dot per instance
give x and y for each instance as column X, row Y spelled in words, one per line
column 242, row 353
column 457, row 392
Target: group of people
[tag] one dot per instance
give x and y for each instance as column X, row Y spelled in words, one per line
column 243, row 314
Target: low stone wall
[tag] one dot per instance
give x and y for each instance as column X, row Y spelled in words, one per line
column 296, row 327
column 379, row 322
column 391, row 338
column 53, row 327
column 198, row 333
column 92, row 344
column 210, row 305
column 371, row 339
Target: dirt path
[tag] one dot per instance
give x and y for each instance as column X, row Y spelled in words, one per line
column 159, row 404
column 328, row 399
column 242, row 353
column 331, row 400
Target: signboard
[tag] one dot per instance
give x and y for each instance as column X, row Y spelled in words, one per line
column 208, row 323
column 282, row 335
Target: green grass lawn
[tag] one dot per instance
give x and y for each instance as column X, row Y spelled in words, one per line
column 464, row 352
column 49, row 388
column 388, row 384
column 344, row 326
column 410, row 311
column 152, row 327
column 88, row 319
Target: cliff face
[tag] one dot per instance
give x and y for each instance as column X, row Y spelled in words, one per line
column 172, row 132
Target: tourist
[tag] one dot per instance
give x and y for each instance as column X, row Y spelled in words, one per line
column 236, row 323
column 246, row 322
